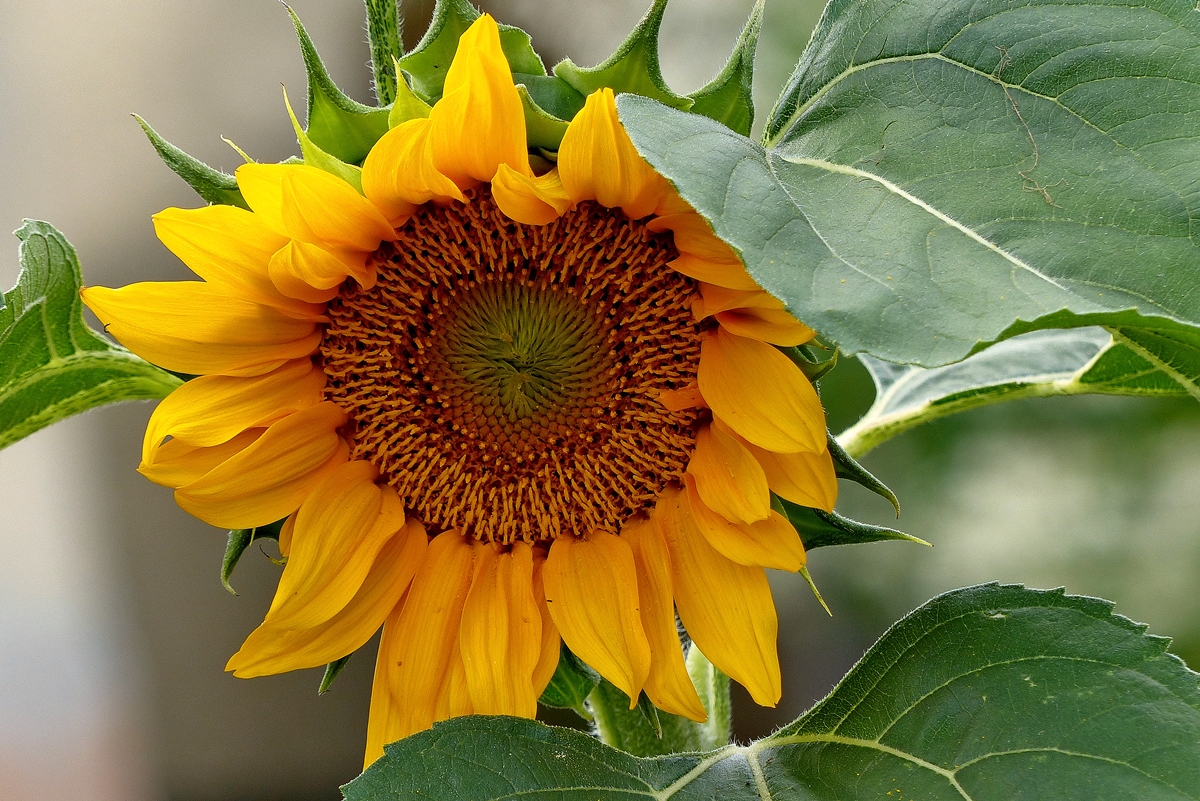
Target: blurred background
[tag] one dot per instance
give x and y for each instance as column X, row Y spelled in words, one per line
column 114, row 628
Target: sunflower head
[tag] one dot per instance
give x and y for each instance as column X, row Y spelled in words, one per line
column 499, row 386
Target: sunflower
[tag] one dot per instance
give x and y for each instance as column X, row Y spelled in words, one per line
column 501, row 404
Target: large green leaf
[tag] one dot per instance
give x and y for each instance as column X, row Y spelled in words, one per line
column 1039, row 364
column 52, row 365
column 946, row 173
column 991, row 693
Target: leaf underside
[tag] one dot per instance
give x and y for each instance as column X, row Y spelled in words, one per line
column 990, row 693
column 943, row 174
column 52, row 366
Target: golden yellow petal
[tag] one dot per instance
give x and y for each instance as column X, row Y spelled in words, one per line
column 399, row 174
column 528, row 199
column 271, row 478
column 729, row 274
column 262, row 187
column 270, row 649
column 312, row 273
column 191, row 327
column 760, row 394
column 772, row 542
column 804, row 478
column 386, row 723
column 726, row 607
column 775, row 326
column 551, row 641
column 454, row 696
column 693, row 235
column 179, row 463
column 340, row 528
column 230, row 248
column 728, row 477
column 676, row 400
column 713, row 299
column 285, row 535
column 591, row 587
column 501, row 632
column 596, row 161
column 667, row 685
column 479, row 122
column 322, row 209
column 210, row 410
column 426, row 632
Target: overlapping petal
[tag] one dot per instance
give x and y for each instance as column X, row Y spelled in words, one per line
column 728, row 477
column 771, row 542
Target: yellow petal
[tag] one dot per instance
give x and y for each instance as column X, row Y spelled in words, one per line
column 271, row 478
column 726, row 607
column 713, row 299
column 178, row 463
column 551, row 642
column 596, row 161
column 804, row 478
column 311, row 273
column 399, row 174
column 728, row 477
column 775, row 326
column 667, row 684
column 229, row 248
column 529, row 200
column 322, row 209
column 772, row 542
column 693, row 235
column 729, row 274
column 385, row 723
column 285, row 535
column 210, row 410
column 759, row 393
column 454, row 696
column 262, row 187
column 501, row 633
column 591, row 587
column 340, row 528
column 270, row 649
column 479, row 122
column 676, row 400
column 426, row 632
column 191, row 327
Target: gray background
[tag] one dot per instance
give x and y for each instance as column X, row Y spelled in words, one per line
column 114, row 629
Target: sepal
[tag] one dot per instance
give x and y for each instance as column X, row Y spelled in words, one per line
column 808, row 359
column 846, row 467
column 316, row 157
column 331, row 672
column 239, row 541
column 633, row 68
column 729, row 97
column 428, row 62
column 211, row 184
column 818, row 529
column 572, row 682
column 407, row 105
column 339, row 125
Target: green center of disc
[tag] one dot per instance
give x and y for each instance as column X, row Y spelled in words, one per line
column 522, row 350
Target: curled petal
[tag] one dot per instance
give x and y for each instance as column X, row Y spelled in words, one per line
column 209, row 410
column 597, row 161
column 269, row 480
column 760, row 394
column 527, row 199
column 804, row 478
column 479, row 122
column 314, row 274
column 178, row 463
column 728, row 477
column 551, row 641
column 713, row 299
column 191, row 327
column 676, row 400
column 730, row 274
column 591, row 587
column 271, row 649
column 735, row 628
column 668, row 684
column 322, row 209
column 501, row 633
column 775, row 326
column 399, row 173
column 772, row 542
column 230, row 248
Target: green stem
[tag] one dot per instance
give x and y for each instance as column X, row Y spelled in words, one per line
column 384, row 29
column 634, row 732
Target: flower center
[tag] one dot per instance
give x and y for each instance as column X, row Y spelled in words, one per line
column 504, row 378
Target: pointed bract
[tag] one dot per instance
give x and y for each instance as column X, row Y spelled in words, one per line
column 211, row 184
column 729, row 97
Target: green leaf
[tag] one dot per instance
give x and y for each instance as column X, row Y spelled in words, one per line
column 239, row 541
column 990, row 693
column 339, row 125
column 429, row 60
column 331, row 672
column 632, row 68
column 212, row 185
column 52, row 366
column 571, row 683
column 947, row 173
column 818, row 529
column 385, row 27
column 729, row 97
column 1038, row 364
